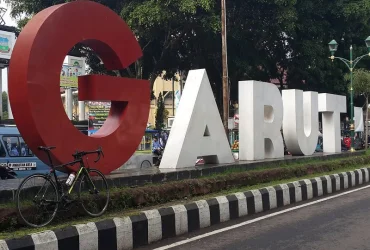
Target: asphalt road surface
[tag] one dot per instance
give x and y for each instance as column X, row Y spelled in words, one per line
column 339, row 223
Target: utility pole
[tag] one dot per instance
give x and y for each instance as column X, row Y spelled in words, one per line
column 225, row 77
column 173, row 96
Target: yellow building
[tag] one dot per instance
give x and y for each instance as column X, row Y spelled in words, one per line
column 167, row 88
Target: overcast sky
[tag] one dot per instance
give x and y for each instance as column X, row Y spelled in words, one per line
column 9, row 22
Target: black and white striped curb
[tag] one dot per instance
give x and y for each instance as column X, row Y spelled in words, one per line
column 158, row 224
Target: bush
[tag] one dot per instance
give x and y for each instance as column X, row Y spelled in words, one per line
column 138, row 197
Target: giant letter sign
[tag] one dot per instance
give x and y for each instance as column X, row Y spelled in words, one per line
column 331, row 106
column 260, row 120
column 34, row 83
column 301, row 121
column 197, row 129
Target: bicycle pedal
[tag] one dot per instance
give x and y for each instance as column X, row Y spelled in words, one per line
column 68, row 203
column 67, row 199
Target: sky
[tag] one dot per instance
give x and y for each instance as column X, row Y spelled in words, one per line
column 9, row 22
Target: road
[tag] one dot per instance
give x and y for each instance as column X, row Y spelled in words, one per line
column 338, row 223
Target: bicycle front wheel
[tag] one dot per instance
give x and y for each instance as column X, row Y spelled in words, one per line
column 37, row 200
column 94, row 193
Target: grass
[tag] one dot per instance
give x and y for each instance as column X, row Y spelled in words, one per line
column 128, row 212
column 279, row 165
column 274, row 183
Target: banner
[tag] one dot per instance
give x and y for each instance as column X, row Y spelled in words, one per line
column 7, row 40
column 98, row 113
column 359, row 119
column 70, row 72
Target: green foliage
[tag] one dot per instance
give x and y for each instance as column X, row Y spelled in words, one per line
column 267, row 39
column 160, row 114
column 5, row 115
column 166, row 114
column 5, row 105
column 319, row 22
column 361, row 82
column 22, row 22
column 170, row 32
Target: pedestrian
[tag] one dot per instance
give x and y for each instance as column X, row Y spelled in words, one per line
column 163, row 139
column 156, row 147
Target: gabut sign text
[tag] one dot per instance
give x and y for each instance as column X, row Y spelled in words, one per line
column 263, row 112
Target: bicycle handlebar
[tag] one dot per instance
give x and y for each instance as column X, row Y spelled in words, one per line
column 99, row 151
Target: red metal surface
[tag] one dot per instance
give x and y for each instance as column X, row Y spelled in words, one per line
column 34, row 79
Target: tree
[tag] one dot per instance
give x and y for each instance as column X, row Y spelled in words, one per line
column 185, row 34
column 5, row 105
column 361, row 86
column 5, row 101
column 320, row 21
column 164, row 30
column 165, row 117
column 159, row 116
column 276, row 39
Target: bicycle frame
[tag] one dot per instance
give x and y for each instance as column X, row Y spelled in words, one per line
column 82, row 170
column 61, row 193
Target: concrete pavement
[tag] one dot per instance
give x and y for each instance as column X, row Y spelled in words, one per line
column 339, row 223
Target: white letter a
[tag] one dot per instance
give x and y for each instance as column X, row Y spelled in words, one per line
column 197, row 129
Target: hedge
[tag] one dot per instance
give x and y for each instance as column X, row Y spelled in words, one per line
column 150, row 195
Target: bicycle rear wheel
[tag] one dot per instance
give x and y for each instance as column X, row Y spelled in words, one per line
column 94, row 196
column 37, row 200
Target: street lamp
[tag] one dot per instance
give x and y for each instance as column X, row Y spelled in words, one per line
column 351, row 64
column 333, row 46
column 367, row 41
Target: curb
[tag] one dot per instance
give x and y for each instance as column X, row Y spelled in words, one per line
column 154, row 225
column 154, row 175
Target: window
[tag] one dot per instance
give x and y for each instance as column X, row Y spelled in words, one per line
column 12, row 145
column 16, row 146
column 25, row 151
column 168, row 99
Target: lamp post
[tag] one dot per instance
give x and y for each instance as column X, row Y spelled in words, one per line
column 351, row 64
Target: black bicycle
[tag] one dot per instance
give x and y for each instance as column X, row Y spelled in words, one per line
column 39, row 197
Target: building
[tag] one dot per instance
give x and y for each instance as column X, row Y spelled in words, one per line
column 168, row 89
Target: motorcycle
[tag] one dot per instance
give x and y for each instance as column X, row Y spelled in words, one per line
column 7, row 173
column 158, row 157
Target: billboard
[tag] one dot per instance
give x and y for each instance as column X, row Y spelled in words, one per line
column 98, row 113
column 70, row 71
column 7, row 40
